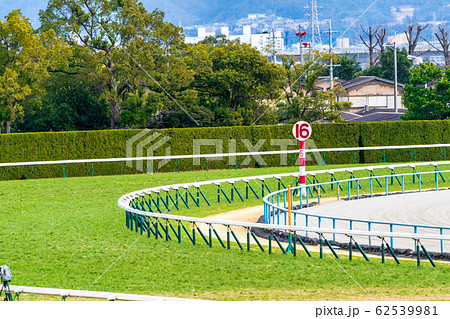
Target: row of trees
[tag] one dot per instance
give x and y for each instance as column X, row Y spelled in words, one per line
column 374, row 39
column 426, row 94
column 95, row 64
column 427, row 97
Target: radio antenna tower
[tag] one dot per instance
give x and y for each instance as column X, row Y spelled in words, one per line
column 314, row 23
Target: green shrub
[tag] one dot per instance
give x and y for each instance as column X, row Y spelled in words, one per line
column 29, row 147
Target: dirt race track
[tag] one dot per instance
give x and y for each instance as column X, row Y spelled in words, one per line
column 425, row 208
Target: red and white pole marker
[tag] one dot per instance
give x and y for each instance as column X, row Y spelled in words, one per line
column 302, row 131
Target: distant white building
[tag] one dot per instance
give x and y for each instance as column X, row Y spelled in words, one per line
column 260, row 41
column 343, row 43
column 399, row 39
column 225, row 31
column 256, row 16
column 202, row 33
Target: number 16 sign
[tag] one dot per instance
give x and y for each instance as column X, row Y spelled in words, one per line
column 302, row 131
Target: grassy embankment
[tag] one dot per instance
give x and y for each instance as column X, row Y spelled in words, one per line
column 64, row 233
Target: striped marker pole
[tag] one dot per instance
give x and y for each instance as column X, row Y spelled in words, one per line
column 302, row 131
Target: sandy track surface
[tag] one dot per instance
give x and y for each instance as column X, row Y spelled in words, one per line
column 428, row 208
column 252, row 214
column 425, row 208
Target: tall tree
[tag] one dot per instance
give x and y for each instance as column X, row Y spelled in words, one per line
column 413, row 39
column 348, row 68
column 70, row 103
column 385, row 66
column 428, row 95
column 444, row 41
column 303, row 99
column 235, row 82
column 21, row 65
column 381, row 38
column 371, row 42
column 128, row 49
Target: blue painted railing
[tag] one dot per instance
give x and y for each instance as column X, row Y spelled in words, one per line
column 276, row 209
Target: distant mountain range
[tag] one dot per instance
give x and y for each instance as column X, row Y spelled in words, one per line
column 342, row 12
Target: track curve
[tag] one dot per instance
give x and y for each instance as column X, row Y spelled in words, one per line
column 140, row 203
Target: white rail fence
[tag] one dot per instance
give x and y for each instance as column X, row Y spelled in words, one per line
column 193, row 156
column 64, row 293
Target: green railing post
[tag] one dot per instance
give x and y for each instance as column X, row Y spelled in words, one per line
column 167, row 230
column 33, row 170
column 303, row 245
column 350, row 246
column 392, row 253
column 218, row 237
column 361, row 250
column 428, row 255
column 210, row 235
column 418, row 252
column 257, row 241
column 202, row 235
column 331, row 248
column 270, row 242
column 187, row 233
column 91, row 166
column 321, row 246
column 383, row 156
column 237, row 240
column 119, row 167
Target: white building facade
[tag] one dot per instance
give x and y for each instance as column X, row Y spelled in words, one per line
column 263, row 42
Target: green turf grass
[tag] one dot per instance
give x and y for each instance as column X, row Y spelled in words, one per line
column 65, row 233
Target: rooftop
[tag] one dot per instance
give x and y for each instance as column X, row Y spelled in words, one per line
column 361, row 80
column 373, row 115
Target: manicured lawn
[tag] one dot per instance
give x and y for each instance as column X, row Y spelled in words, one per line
column 65, row 233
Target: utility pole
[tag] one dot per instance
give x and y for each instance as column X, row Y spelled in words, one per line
column 300, row 35
column 330, row 34
column 273, row 46
column 330, row 50
column 274, row 38
column 395, row 74
column 394, row 45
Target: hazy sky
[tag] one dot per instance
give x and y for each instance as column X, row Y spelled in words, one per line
column 174, row 13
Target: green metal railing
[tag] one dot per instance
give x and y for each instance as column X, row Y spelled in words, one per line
column 146, row 209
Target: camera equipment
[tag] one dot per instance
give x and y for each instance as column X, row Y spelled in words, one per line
column 6, row 276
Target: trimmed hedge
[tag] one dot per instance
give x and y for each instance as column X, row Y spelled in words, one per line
column 112, row 144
